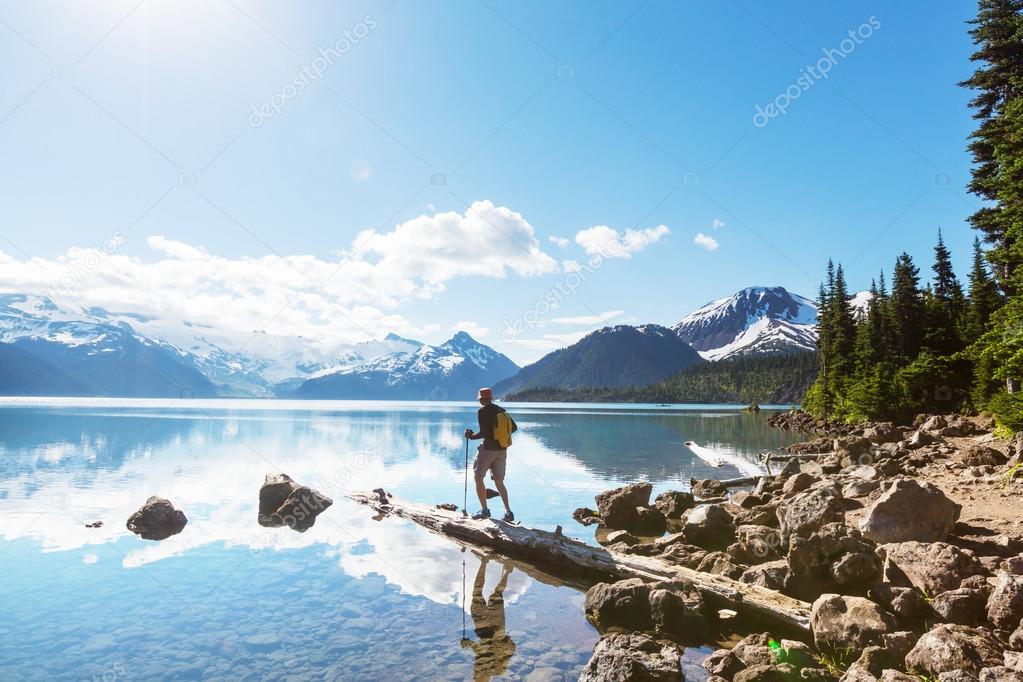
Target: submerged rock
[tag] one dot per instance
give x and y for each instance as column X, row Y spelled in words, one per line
column 586, row 516
column 910, row 510
column 283, row 502
column 157, row 519
column 671, row 608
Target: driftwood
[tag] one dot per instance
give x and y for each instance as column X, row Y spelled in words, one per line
column 800, row 457
column 555, row 553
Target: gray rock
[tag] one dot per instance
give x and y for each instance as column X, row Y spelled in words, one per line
column 834, row 558
column 1005, row 605
column 1000, row 674
column 708, row 488
column 624, row 605
column 771, row 574
column 157, row 519
column 674, row 503
column 586, row 516
column 618, row 507
column 633, row 657
column 897, row 676
column 977, row 455
column 910, row 510
column 275, row 490
column 932, row 567
column 906, row 603
column 1016, row 638
column 797, row 483
column 719, row 563
column 709, row 526
column 723, row 662
column 919, row 439
column 839, row 621
column 962, row 606
column 677, row 610
column 650, row 522
column 300, row 510
column 947, row 647
column 807, row 511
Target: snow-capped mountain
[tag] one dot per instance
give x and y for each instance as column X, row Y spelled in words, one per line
column 64, row 349
column 81, row 352
column 755, row 320
column 452, row 370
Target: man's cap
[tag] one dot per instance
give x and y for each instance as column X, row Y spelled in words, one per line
column 485, row 393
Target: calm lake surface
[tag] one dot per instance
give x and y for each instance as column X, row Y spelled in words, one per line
column 351, row 598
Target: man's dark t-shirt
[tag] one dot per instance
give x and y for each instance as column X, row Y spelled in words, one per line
column 487, row 417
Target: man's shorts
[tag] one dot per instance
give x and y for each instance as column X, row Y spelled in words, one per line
column 493, row 460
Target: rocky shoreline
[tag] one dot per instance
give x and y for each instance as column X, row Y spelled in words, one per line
column 906, row 540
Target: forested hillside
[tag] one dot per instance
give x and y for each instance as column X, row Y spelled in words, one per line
column 771, row 379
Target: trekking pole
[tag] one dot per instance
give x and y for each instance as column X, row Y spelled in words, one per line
column 465, row 486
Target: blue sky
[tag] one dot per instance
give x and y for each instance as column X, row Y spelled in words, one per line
column 464, row 136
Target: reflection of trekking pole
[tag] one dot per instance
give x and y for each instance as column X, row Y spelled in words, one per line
column 463, row 582
column 465, row 488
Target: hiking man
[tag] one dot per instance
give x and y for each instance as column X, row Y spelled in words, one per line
column 490, row 455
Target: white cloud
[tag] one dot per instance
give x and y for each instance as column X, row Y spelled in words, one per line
column 717, row 223
column 706, row 241
column 609, row 243
column 559, row 241
column 571, row 265
column 590, row 319
column 175, row 249
column 472, row 329
column 350, row 299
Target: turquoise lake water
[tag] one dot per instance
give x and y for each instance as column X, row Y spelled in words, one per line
column 353, row 598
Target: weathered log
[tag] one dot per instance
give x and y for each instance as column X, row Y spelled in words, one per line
column 559, row 554
column 799, row 457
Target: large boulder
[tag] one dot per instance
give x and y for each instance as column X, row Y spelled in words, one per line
column 844, row 622
column 618, row 507
column 947, row 648
column 709, row 526
column 650, row 522
column 910, row 510
column 283, row 502
column 1005, row 605
column 932, row 567
column 157, row 519
column 674, row 503
column 624, row 605
column 771, row 574
column 633, row 657
column 834, row 558
column 275, row 490
column 807, row 511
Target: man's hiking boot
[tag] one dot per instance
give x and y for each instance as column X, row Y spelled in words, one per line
column 482, row 514
column 508, row 516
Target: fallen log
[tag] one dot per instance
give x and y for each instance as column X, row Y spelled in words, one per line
column 800, row 457
column 556, row 553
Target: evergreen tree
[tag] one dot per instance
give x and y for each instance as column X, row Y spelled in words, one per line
column 906, row 308
column 946, row 305
column 984, row 298
column 997, row 35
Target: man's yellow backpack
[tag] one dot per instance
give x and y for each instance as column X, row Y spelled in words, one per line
column 504, row 428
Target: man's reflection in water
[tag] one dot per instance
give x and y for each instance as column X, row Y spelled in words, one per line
column 495, row 648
